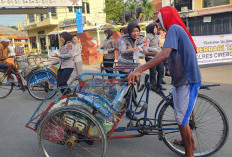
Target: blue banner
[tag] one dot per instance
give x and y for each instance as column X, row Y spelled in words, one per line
column 79, row 21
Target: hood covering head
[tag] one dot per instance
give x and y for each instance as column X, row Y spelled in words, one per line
column 124, row 30
column 109, row 32
column 169, row 16
column 131, row 26
column 67, row 36
column 150, row 28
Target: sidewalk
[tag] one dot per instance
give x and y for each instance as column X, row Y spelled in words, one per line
column 217, row 74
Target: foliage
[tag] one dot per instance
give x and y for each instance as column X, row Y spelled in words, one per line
column 33, row 51
column 114, row 10
column 149, row 10
column 14, row 27
column 117, row 29
column 44, row 52
column 132, row 4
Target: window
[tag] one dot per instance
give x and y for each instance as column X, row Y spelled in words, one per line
column 41, row 17
column 87, row 8
column 83, row 19
column 33, row 42
column 211, row 3
column 70, row 9
column 52, row 10
column 183, row 3
column 76, row 7
column 220, row 24
column 207, row 28
column 83, row 7
column 31, row 18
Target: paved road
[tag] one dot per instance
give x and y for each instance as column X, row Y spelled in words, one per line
column 18, row 141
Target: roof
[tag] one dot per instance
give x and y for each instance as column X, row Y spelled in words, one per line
column 99, row 27
column 4, row 30
column 215, row 10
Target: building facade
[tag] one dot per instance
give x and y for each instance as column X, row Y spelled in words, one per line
column 40, row 26
column 205, row 17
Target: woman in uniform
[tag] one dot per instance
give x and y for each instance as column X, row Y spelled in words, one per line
column 66, row 62
column 108, row 49
column 153, row 48
column 130, row 43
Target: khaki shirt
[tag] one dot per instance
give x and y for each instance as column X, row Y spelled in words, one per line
column 66, row 56
column 153, row 44
column 125, row 46
column 4, row 51
column 108, row 45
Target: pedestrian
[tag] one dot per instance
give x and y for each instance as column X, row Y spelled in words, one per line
column 153, row 48
column 77, row 58
column 129, row 45
column 4, row 51
column 180, row 50
column 108, row 48
column 66, row 62
column 122, row 32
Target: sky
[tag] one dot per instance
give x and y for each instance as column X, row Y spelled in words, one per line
column 11, row 19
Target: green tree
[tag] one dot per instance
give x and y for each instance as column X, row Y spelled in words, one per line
column 114, row 10
column 132, row 4
column 14, row 27
column 149, row 10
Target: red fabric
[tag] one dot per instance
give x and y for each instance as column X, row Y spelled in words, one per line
column 170, row 17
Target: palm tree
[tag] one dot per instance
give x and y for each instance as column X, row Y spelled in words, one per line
column 149, row 10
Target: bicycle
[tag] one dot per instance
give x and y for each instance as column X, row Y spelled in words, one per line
column 83, row 121
column 38, row 81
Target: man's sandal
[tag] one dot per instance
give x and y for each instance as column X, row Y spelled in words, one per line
column 180, row 143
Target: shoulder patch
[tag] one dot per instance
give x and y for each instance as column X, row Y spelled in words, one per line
column 145, row 41
column 70, row 46
column 121, row 41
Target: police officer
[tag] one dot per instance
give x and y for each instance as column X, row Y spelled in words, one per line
column 66, row 62
column 129, row 45
column 108, row 48
column 153, row 48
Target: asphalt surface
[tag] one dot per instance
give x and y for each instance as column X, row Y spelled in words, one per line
column 18, row 141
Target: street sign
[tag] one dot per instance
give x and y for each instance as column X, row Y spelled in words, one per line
column 79, row 21
column 39, row 3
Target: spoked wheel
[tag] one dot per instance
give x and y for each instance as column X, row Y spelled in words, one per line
column 5, row 87
column 41, row 83
column 208, row 123
column 71, row 131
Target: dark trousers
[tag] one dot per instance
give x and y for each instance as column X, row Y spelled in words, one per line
column 63, row 76
column 166, row 66
column 160, row 69
column 108, row 66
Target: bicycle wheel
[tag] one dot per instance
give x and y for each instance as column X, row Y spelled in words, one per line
column 41, row 83
column 5, row 87
column 208, row 123
column 71, row 131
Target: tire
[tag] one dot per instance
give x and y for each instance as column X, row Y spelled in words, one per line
column 40, row 89
column 70, row 140
column 5, row 88
column 209, row 133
